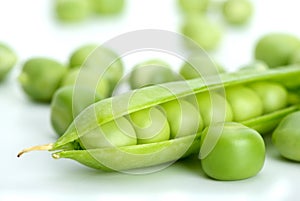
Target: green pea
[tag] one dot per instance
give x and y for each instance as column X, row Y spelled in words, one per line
column 108, row 7
column 116, row 133
column 190, row 6
column 286, row 137
column 202, row 66
column 237, row 12
column 273, row 95
column 239, row 152
column 203, row 31
column 275, row 49
column 66, row 105
column 99, row 58
column 245, row 103
column 7, row 60
column 183, row 118
column 213, row 108
column 150, row 72
column 87, row 80
column 72, row 10
column 40, row 77
column 150, row 125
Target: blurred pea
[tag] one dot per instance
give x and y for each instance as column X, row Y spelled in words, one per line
column 295, row 57
column 276, row 49
column 72, row 10
column 40, row 77
column 237, row 12
column 150, row 72
column 197, row 6
column 203, row 31
column 8, row 59
column 108, row 7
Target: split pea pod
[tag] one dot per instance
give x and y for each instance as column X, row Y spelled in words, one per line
column 139, row 155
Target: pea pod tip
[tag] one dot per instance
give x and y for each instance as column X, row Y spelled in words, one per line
column 44, row 147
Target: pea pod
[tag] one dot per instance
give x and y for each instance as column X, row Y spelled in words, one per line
column 144, row 155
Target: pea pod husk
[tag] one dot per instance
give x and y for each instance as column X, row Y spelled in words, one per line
column 144, row 155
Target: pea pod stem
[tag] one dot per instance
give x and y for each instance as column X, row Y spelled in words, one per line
column 45, row 147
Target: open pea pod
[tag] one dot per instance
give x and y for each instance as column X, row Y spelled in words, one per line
column 145, row 155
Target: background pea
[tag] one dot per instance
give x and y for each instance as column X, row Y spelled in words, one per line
column 40, row 77
column 275, row 49
column 202, row 66
column 272, row 95
column 108, row 7
column 101, row 59
column 286, row 137
column 65, row 106
column 238, row 154
column 237, row 12
column 202, row 30
column 115, row 133
column 102, row 88
column 193, row 6
column 72, row 10
column 245, row 103
column 8, row 59
column 150, row 125
column 183, row 118
column 213, row 108
column 150, row 72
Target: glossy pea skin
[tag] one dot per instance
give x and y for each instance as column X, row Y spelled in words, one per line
column 213, row 108
column 190, row 6
column 72, row 10
column 150, row 72
column 275, row 49
column 238, row 154
column 108, row 7
column 286, row 137
column 183, row 118
column 115, row 133
column 40, row 77
column 273, row 95
column 101, row 90
column 245, row 103
column 202, row 30
column 150, row 125
column 92, row 56
column 237, row 12
column 65, row 106
column 8, row 59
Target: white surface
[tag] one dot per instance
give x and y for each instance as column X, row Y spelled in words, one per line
column 28, row 27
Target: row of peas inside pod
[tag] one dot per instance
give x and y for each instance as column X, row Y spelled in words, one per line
column 157, row 119
column 203, row 21
column 71, row 11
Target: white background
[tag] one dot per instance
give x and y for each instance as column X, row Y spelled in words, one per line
column 30, row 28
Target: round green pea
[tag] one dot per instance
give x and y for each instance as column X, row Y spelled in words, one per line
column 150, row 72
column 72, row 10
column 150, row 125
column 65, row 106
column 237, row 12
column 116, row 133
column 102, row 90
column 203, row 31
column 213, row 108
column 193, row 6
column 239, row 153
column 244, row 102
column 8, row 59
column 108, row 7
column 286, row 137
column 94, row 57
column 40, row 77
column 276, row 49
column 183, row 118
column 273, row 95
